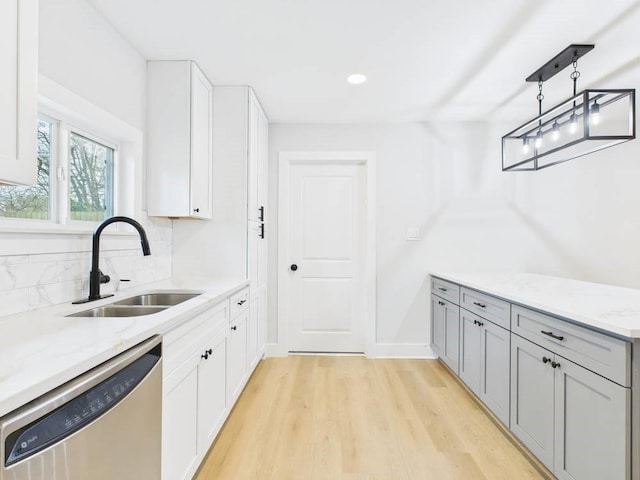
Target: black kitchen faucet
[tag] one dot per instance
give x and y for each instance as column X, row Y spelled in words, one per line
column 96, row 277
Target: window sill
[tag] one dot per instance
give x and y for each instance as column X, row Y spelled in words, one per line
column 57, row 229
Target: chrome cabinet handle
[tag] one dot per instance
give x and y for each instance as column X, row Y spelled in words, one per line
column 550, row 334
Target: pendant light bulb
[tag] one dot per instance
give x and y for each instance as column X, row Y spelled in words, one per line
column 538, row 142
column 555, row 131
column 594, row 113
column 526, row 148
column 573, row 123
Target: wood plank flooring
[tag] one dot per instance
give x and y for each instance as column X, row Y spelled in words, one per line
column 351, row 418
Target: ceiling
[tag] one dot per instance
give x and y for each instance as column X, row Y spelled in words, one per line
column 426, row 60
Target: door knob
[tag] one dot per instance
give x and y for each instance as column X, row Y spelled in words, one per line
column 293, row 267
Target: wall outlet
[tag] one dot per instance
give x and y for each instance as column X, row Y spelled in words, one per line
column 413, row 234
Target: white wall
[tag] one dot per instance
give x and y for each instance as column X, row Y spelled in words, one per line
column 80, row 50
column 577, row 219
column 92, row 71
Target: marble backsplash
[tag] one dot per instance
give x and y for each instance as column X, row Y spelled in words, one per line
column 32, row 281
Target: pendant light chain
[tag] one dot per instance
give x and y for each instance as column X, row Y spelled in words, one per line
column 540, row 97
column 574, row 76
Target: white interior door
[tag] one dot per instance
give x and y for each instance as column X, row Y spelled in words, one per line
column 325, row 218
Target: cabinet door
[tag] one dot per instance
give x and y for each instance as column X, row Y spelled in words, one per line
column 592, row 431
column 437, row 324
column 252, row 332
column 470, row 333
column 451, row 344
column 237, row 356
column 262, row 320
column 180, row 421
column 532, row 394
column 495, row 369
column 201, row 143
column 253, row 157
column 18, row 91
column 212, row 401
column 253, row 254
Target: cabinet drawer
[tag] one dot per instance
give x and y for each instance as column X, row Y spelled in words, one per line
column 180, row 342
column 447, row 290
column 238, row 302
column 600, row 353
column 493, row 309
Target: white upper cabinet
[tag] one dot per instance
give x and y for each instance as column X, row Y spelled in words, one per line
column 180, row 140
column 18, row 91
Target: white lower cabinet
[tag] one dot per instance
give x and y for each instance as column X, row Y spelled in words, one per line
column 237, row 356
column 212, row 380
column 572, row 419
column 484, row 362
column 207, row 361
column 180, row 421
column 194, row 401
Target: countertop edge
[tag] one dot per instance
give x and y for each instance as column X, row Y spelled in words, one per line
column 628, row 334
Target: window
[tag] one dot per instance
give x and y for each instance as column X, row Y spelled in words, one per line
column 33, row 202
column 74, row 184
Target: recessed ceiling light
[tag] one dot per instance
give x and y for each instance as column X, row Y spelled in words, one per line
column 356, row 78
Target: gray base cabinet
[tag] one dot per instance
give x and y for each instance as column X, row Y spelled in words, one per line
column 572, row 419
column 532, row 395
column 565, row 390
column 592, row 434
column 484, row 362
column 445, row 332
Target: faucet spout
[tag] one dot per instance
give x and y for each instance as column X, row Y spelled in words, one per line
column 95, row 275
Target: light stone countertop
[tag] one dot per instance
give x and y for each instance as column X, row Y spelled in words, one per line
column 615, row 310
column 42, row 349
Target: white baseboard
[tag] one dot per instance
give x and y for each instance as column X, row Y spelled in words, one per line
column 276, row 350
column 401, row 350
column 379, row 350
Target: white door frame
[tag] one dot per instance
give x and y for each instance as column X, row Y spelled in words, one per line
column 368, row 160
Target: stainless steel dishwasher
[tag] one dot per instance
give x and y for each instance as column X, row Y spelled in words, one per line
column 103, row 425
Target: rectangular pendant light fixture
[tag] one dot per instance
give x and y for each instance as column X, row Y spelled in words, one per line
column 585, row 123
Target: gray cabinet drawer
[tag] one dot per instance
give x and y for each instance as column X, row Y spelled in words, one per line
column 600, row 353
column 447, row 290
column 491, row 308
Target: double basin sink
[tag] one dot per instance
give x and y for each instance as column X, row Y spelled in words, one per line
column 144, row 304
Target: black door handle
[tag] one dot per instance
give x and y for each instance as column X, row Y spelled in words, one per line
column 293, row 267
column 261, row 234
column 261, row 215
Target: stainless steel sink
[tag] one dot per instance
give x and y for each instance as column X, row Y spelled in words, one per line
column 119, row 311
column 158, row 299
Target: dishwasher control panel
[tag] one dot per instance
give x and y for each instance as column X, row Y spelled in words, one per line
column 77, row 413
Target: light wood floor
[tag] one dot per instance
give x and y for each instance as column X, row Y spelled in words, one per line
column 326, row 418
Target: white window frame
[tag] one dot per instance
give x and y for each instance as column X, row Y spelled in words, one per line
column 71, row 113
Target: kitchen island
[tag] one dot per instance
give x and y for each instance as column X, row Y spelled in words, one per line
column 555, row 360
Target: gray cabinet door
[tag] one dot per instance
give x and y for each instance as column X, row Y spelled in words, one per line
column 470, row 341
column 532, row 393
column 451, row 344
column 437, row 324
column 495, row 369
column 592, row 435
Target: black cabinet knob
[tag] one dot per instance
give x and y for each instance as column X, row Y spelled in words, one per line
column 234, row 328
column 555, row 364
column 205, row 355
column 475, row 322
column 210, row 351
column 196, row 210
column 545, row 360
column 293, row 267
